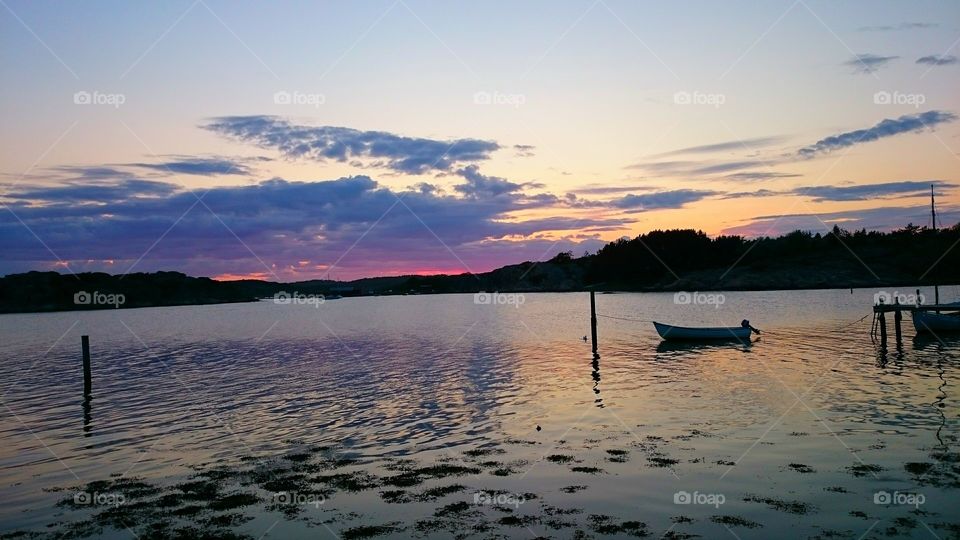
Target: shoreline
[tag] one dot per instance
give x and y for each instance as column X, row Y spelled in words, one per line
column 601, row 290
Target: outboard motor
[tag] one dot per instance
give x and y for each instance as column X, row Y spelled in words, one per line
column 746, row 324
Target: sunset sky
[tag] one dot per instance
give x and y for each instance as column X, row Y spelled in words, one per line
column 292, row 141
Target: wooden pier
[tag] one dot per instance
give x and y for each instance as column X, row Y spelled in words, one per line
column 880, row 311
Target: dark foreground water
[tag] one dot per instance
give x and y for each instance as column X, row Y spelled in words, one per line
column 417, row 416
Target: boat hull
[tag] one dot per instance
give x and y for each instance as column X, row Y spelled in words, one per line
column 930, row 322
column 670, row 332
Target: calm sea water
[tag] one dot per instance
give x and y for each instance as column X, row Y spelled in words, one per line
column 810, row 430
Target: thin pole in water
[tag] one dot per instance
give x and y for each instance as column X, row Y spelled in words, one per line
column 897, row 317
column 87, row 381
column 593, row 322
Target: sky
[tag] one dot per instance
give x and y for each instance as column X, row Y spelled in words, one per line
column 293, row 141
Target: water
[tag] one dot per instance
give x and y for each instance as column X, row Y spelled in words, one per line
column 798, row 434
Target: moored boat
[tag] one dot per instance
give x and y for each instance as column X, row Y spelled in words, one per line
column 928, row 321
column 671, row 332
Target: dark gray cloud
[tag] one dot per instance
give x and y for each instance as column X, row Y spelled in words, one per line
column 938, row 60
column 481, row 186
column 660, row 200
column 868, row 63
column 863, row 192
column 606, row 190
column 901, row 26
column 200, row 166
column 92, row 191
column 888, row 127
column 523, row 150
column 408, row 155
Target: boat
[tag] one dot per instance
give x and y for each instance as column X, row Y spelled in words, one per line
column 671, row 332
column 928, row 321
column 925, row 321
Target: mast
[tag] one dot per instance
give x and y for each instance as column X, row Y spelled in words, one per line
column 933, row 209
column 933, row 217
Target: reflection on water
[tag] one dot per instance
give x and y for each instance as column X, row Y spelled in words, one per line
column 810, row 416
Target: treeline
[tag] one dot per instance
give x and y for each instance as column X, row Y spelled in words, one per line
column 908, row 255
column 682, row 259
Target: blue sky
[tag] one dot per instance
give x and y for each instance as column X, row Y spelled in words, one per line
column 452, row 137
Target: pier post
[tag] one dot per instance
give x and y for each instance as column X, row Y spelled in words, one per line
column 897, row 317
column 87, row 382
column 593, row 322
column 883, row 329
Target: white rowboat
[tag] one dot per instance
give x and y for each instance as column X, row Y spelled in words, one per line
column 667, row 331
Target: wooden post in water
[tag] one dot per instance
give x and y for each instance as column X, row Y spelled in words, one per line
column 87, row 382
column 897, row 317
column 883, row 329
column 593, row 322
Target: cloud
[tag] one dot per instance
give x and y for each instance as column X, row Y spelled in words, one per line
column 886, row 128
column 881, row 218
column 605, row 190
column 284, row 222
column 938, row 60
column 660, row 200
column 482, row 186
column 744, row 144
column 407, row 155
column 863, row 192
column 201, row 166
column 868, row 63
column 758, row 176
column 95, row 191
column 901, row 26
column 853, row 192
column 523, row 150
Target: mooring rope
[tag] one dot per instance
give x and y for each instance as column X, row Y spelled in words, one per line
column 623, row 318
column 630, row 319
